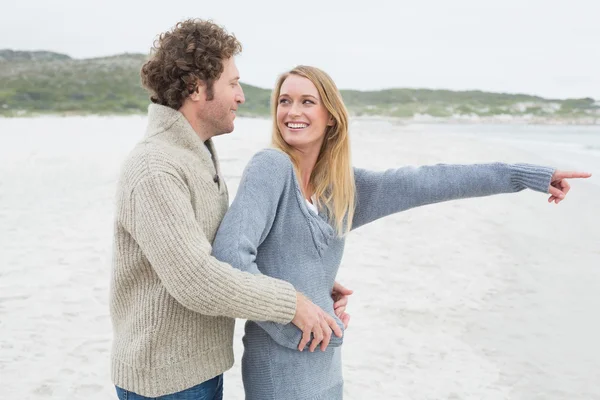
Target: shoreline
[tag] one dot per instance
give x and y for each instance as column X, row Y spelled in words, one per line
column 477, row 120
column 503, row 119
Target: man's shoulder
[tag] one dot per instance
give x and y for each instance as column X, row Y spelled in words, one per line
column 149, row 159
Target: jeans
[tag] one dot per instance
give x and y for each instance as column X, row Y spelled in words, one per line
column 209, row 390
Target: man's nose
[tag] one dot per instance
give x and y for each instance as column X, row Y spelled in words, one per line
column 240, row 97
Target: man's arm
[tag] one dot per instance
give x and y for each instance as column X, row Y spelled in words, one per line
column 165, row 227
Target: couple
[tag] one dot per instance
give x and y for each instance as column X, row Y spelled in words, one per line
column 185, row 266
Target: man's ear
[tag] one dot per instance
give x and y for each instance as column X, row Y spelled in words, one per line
column 200, row 93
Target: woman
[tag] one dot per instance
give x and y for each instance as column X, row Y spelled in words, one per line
column 296, row 203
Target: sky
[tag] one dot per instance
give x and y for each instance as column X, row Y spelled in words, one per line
column 549, row 48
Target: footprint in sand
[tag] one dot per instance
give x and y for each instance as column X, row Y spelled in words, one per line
column 43, row 390
column 88, row 389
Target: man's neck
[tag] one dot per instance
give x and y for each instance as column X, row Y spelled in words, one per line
column 196, row 123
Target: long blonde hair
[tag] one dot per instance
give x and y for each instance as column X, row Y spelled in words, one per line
column 332, row 178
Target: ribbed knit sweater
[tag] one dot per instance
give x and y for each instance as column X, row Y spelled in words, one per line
column 172, row 304
column 269, row 229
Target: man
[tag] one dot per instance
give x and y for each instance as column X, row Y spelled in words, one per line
column 172, row 304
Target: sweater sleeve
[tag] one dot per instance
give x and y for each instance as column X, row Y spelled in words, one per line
column 248, row 222
column 383, row 193
column 165, row 227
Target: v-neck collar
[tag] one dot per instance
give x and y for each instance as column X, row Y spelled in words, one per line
column 322, row 231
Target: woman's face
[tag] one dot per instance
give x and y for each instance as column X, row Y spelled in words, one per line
column 301, row 116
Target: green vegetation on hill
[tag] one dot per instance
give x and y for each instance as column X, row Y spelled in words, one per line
column 98, row 85
column 46, row 82
column 16, row 56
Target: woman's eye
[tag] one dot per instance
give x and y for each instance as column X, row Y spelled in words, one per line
column 282, row 101
column 309, row 102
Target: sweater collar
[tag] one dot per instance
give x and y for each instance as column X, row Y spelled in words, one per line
column 175, row 128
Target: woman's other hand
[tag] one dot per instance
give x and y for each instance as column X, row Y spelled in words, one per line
column 340, row 294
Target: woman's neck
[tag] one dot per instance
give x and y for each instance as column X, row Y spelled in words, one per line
column 306, row 165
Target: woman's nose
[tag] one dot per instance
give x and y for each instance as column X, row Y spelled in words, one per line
column 295, row 110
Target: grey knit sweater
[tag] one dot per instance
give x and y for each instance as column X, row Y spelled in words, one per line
column 172, row 304
column 270, row 230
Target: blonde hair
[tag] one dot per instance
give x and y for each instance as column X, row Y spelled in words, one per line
column 333, row 177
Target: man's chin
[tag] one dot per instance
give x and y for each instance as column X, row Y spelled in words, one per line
column 226, row 130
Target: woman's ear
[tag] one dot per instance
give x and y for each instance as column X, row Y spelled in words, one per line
column 331, row 121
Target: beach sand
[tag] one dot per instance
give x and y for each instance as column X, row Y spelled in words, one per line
column 490, row 298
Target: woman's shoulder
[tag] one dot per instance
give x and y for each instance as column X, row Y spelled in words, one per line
column 270, row 169
column 272, row 156
column 271, row 162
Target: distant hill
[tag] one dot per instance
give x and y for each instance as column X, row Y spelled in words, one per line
column 16, row 56
column 46, row 82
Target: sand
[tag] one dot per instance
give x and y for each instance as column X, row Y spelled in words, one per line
column 492, row 298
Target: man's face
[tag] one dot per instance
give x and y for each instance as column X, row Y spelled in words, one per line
column 219, row 112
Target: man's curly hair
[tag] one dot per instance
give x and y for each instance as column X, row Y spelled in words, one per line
column 191, row 53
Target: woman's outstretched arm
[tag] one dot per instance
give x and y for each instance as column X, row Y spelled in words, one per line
column 379, row 194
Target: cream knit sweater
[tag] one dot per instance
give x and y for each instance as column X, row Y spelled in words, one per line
column 172, row 304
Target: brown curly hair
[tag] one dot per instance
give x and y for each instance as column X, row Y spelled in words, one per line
column 191, row 53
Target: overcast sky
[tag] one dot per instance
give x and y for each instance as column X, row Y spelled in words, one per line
column 545, row 47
